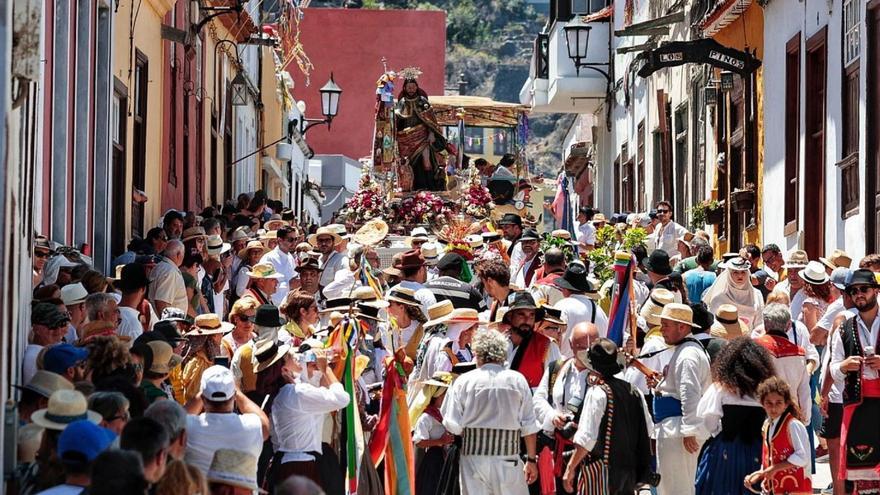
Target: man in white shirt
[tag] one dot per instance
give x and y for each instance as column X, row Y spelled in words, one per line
column 679, row 432
column 133, row 284
column 576, row 305
column 586, row 236
column 491, row 408
column 281, row 259
column 213, row 424
column 668, row 233
column 325, row 241
column 74, row 298
column 166, row 282
column 522, row 274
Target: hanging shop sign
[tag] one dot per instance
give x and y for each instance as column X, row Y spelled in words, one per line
column 703, row 51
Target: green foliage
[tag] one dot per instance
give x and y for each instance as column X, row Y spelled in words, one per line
column 465, row 25
column 607, row 242
column 699, row 212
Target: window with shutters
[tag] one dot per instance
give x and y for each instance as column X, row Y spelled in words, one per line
column 849, row 164
column 792, row 131
column 851, row 40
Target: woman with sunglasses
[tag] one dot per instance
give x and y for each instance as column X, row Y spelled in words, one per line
column 242, row 316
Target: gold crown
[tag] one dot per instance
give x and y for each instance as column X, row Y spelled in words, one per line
column 410, row 73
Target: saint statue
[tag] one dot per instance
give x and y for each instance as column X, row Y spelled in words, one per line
column 420, row 140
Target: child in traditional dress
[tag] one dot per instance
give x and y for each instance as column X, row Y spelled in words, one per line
column 430, row 437
column 786, row 444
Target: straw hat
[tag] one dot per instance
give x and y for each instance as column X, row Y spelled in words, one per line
column 420, row 233
column 46, row 383
column 599, row 218
column 838, row 257
column 65, row 407
column 440, row 379
column 797, row 259
column 251, row 245
column 679, row 313
column 561, row 234
column 727, row 323
column 216, row 246
column 266, row 236
column 367, row 296
column 438, row 313
column 464, row 315
column 164, row 359
column 264, row 270
column 240, row 234
column 652, row 308
column 209, row 324
column 275, row 223
column 372, row 232
column 475, row 241
column 327, row 230
column 430, row 253
column 234, row 468
column 403, row 295
column 814, row 273
column 267, row 352
column 193, row 233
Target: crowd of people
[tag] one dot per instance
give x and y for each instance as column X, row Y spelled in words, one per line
column 208, row 361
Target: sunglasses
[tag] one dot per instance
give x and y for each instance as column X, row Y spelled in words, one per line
column 137, row 367
column 245, row 318
column 663, row 211
column 862, row 289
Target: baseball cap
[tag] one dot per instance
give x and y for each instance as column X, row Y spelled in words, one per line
column 48, row 314
column 62, row 356
column 840, row 277
column 218, row 384
column 83, row 440
column 450, row 260
column 73, row 294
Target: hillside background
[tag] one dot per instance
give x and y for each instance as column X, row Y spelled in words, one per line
column 490, row 42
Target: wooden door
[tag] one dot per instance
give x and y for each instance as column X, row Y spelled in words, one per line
column 814, row 157
column 872, row 184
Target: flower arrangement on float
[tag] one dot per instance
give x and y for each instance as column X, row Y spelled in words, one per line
column 477, row 201
column 367, row 203
column 423, row 207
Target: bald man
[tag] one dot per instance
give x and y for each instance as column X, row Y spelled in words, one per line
column 561, row 392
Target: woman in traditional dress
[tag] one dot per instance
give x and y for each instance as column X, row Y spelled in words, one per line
column 733, row 416
column 429, row 436
column 733, row 287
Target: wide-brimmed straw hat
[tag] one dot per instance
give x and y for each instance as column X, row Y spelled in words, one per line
column 65, row 407
column 727, row 323
column 164, row 359
column 366, row 295
column 46, row 383
column 679, row 313
column 653, row 307
column 326, row 230
column 209, row 324
column 192, row 233
column 403, row 295
column 267, row 352
column 264, row 270
column 252, row 245
column 797, row 259
column 838, row 257
column 235, row 468
column 438, row 313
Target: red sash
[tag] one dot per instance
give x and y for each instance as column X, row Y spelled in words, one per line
column 777, row 448
column 870, row 390
column 532, row 364
column 780, row 347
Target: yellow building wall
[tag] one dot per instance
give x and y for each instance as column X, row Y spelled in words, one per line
column 214, row 32
column 747, row 33
column 145, row 37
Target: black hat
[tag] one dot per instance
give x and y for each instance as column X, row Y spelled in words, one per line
column 530, row 235
column 309, row 263
column 369, row 311
column 510, row 219
column 862, row 277
column 586, row 210
column 337, row 304
column 658, row 262
column 603, row 357
column 268, row 316
column 575, row 278
column 168, row 330
column 450, row 261
column 132, row 277
column 48, row 315
column 703, row 318
column 520, row 300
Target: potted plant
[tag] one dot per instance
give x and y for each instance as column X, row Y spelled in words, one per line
column 743, row 199
column 708, row 211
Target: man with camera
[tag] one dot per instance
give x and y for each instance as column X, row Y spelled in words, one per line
column 559, row 397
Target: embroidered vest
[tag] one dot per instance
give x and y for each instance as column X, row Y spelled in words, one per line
column 777, row 448
column 531, row 360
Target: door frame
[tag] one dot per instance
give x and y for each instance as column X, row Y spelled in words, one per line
column 815, row 163
column 872, row 12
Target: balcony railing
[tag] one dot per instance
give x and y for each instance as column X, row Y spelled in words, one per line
column 542, row 56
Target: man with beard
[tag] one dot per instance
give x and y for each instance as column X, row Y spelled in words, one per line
column 531, row 351
column 523, row 273
column 281, row 259
column 511, row 228
column 309, row 270
column 325, row 241
column 67, row 361
column 172, row 222
column 419, row 138
column 855, row 364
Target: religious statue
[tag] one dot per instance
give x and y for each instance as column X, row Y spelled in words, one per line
column 420, row 140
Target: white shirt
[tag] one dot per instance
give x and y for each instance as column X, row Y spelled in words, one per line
column 800, row 442
column 242, row 279
column 667, row 236
column 575, row 309
column 283, row 263
column 587, row 433
column 166, row 285
column 335, row 262
column 427, row 428
column 867, row 336
column 835, row 394
column 423, row 295
column 685, row 378
column 129, row 324
column 29, row 362
column 489, row 397
column 298, row 415
column 587, row 233
column 518, row 272
column 835, row 308
column 435, row 359
column 208, row 432
column 797, row 303
column 710, row 409
column 656, row 362
column 569, row 383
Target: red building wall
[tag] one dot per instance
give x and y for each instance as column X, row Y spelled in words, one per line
column 351, row 43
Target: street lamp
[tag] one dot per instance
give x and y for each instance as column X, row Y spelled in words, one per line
column 330, row 94
column 239, row 88
column 577, row 39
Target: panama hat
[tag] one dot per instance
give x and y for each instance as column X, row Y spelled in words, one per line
column 267, row 235
column 264, row 270
column 464, row 315
column 275, row 223
column 73, row 294
column 475, row 241
column 679, row 313
column 46, row 383
column 366, row 295
column 267, row 352
column 814, row 273
column 234, row 468
column 727, row 323
column 599, row 218
column 838, row 257
column 438, row 313
column 429, row 252
column 326, row 230
column 403, row 295
column 797, row 259
column 561, row 234
column 164, row 359
column 653, row 307
column 420, row 233
column 193, row 233
column 240, row 234
column 216, row 246
column 209, row 324
column 251, row 245
column 65, row 407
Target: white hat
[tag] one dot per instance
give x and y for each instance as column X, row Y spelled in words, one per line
column 814, row 273
column 429, row 251
column 65, row 407
column 218, row 385
column 235, row 468
column 475, row 241
column 216, row 246
column 74, row 294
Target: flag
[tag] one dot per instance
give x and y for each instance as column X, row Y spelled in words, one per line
column 620, row 302
column 391, row 438
column 344, row 340
column 365, row 274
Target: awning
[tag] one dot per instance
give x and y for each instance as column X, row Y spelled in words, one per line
column 478, row 111
column 722, row 15
column 702, row 51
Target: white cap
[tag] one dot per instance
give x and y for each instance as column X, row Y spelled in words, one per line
column 73, row 294
column 218, row 384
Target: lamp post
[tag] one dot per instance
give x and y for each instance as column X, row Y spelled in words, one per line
column 330, row 94
column 577, row 39
column 239, row 88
